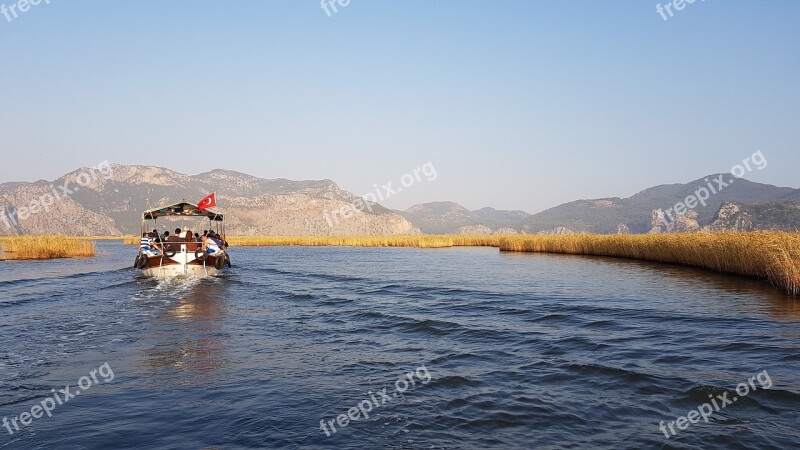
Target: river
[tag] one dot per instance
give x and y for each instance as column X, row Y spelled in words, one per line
column 475, row 349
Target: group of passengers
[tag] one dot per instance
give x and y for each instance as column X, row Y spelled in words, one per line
column 154, row 244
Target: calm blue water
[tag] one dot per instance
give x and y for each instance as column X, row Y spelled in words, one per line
column 505, row 351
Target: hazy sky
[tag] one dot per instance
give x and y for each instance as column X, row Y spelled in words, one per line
column 518, row 104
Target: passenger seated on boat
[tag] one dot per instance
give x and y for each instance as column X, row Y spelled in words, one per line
column 191, row 242
column 215, row 237
column 209, row 246
column 194, row 243
column 156, row 237
column 147, row 245
column 173, row 243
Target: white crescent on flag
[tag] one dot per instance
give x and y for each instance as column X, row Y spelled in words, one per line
column 208, row 202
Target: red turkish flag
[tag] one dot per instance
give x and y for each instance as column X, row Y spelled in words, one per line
column 208, row 202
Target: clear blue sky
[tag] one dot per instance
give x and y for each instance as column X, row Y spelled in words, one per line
column 518, row 104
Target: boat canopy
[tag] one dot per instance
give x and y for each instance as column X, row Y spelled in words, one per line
column 182, row 209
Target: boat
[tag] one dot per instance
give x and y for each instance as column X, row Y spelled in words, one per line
column 182, row 256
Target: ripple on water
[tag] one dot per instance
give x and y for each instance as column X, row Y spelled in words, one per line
column 524, row 351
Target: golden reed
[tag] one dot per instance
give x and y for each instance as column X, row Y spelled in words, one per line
column 769, row 255
column 45, row 247
column 420, row 241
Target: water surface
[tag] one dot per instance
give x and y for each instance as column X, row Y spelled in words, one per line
column 522, row 351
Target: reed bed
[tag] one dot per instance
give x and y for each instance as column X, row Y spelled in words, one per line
column 771, row 256
column 420, row 241
column 477, row 240
column 45, row 247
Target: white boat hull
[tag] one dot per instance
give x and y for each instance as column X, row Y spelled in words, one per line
column 178, row 270
column 182, row 263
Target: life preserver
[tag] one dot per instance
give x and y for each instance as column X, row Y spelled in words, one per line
column 141, row 261
column 227, row 260
column 136, row 262
column 220, row 262
column 200, row 255
column 169, row 253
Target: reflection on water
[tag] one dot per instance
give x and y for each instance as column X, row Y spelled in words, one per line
column 202, row 304
column 187, row 346
column 771, row 300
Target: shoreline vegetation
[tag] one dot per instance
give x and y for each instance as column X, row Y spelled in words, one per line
column 772, row 256
column 45, row 247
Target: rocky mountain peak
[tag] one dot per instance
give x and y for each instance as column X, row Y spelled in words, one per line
column 110, row 198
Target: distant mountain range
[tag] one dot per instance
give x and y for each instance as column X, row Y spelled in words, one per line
column 639, row 213
column 452, row 218
column 112, row 205
column 741, row 205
